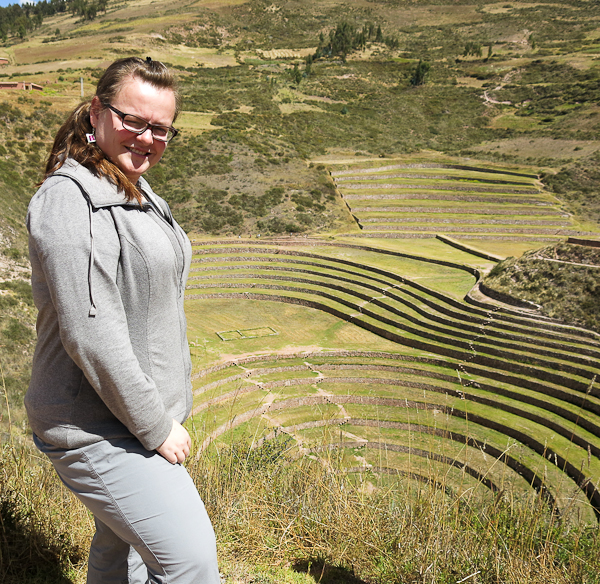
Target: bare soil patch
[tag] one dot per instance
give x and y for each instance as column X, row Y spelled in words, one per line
column 286, row 53
column 541, row 147
column 289, row 350
column 291, row 108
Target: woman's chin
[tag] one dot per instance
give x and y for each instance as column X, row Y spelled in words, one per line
column 134, row 166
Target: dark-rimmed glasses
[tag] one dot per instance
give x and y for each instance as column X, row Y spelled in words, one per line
column 138, row 126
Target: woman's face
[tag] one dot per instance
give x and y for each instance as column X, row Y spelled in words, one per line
column 133, row 153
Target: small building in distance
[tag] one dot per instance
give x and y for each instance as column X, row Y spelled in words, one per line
column 3, row 62
column 24, row 85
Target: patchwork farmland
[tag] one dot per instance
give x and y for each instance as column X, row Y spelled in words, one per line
column 467, row 394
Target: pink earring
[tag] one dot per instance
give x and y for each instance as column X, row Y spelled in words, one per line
column 91, row 137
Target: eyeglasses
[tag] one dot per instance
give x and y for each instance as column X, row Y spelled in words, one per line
column 138, row 126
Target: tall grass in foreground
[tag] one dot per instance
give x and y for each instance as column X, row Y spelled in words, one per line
column 44, row 530
column 270, row 509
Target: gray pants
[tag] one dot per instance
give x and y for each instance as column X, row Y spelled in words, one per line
column 151, row 525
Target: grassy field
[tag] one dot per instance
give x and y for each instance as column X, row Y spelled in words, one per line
column 295, row 396
column 413, row 198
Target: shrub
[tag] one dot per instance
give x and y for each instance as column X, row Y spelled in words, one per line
column 13, row 253
column 21, row 289
column 278, row 225
column 17, row 333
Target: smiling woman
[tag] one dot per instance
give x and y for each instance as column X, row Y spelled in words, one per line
column 110, row 386
column 109, row 134
column 124, row 138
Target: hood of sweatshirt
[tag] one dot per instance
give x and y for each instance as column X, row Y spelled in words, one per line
column 99, row 190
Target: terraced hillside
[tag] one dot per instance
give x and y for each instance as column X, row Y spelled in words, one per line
column 393, row 198
column 468, row 393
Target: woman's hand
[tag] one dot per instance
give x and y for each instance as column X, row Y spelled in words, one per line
column 177, row 445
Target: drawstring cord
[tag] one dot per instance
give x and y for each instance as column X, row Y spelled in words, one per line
column 92, row 311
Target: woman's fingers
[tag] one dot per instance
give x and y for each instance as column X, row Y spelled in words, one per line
column 176, row 448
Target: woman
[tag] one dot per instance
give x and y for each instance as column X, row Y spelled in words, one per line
column 110, row 384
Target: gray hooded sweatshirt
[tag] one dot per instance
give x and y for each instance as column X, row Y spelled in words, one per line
column 108, row 276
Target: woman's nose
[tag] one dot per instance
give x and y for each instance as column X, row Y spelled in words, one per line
column 146, row 136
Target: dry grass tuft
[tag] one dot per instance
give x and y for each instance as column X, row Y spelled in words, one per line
column 268, row 508
column 44, row 531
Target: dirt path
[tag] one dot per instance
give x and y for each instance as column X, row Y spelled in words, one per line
column 505, row 80
column 285, row 351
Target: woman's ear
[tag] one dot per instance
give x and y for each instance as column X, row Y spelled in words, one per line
column 95, row 109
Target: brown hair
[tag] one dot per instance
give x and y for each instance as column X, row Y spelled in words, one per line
column 71, row 141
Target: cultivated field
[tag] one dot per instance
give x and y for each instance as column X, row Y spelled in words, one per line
column 400, row 198
column 481, row 394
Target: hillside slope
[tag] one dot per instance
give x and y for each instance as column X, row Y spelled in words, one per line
column 256, row 106
column 564, row 279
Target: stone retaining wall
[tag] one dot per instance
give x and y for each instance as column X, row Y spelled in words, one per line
column 540, row 322
column 435, row 165
column 586, row 242
column 293, row 253
column 520, row 468
column 463, row 221
column 472, row 230
column 455, row 379
column 458, row 188
column 433, row 177
column 442, row 197
column 431, row 235
column 464, row 369
column 448, row 210
column 507, row 298
column 473, row 338
column 435, row 348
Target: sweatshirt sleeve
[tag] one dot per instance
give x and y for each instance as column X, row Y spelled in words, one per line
column 59, row 226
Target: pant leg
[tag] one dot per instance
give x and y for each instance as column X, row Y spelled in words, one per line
column 146, row 502
column 113, row 560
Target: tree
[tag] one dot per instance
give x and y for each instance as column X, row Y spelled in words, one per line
column 532, row 41
column 420, row 73
column 342, row 40
column 472, row 48
column 90, row 11
column 296, row 74
column 308, row 66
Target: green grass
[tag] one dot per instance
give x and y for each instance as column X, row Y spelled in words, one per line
column 314, row 330
column 380, row 414
column 287, row 384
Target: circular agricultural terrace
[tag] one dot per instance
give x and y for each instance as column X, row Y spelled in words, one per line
column 492, row 397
